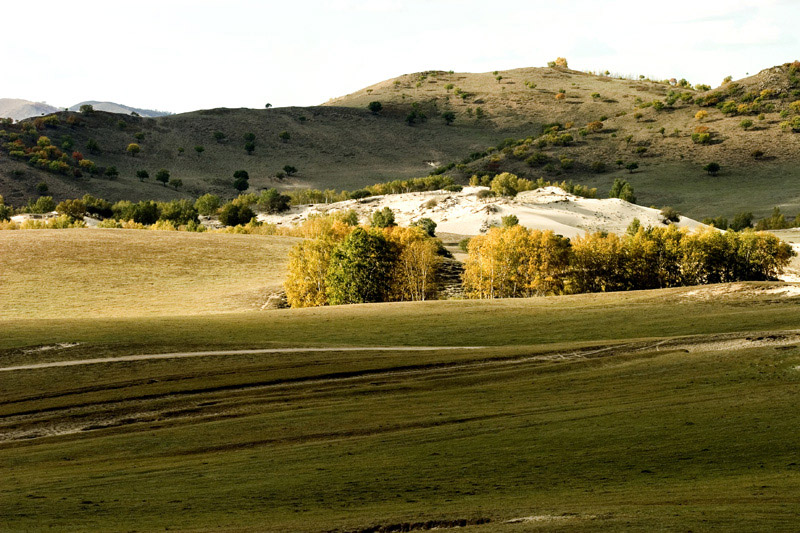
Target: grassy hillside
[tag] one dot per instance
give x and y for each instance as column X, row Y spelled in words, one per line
column 341, row 145
column 110, row 273
column 331, row 148
column 670, row 163
column 589, row 415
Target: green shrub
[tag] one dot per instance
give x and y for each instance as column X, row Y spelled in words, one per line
column 670, row 214
column 232, row 214
column 383, row 218
column 426, row 224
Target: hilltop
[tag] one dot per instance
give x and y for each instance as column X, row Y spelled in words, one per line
column 613, row 122
column 19, row 109
column 553, row 123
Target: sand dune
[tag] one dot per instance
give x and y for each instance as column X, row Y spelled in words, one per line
column 464, row 213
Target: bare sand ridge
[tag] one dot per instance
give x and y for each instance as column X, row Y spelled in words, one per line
column 465, row 213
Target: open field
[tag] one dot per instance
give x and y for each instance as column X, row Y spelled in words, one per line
column 104, row 273
column 633, row 411
column 582, row 412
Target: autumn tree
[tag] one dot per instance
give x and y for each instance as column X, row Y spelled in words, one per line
column 413, row 275
column 597, row 264
column 208, row 204
column 514, row 261
column 74, row 209
column 134, row 149
column 308, row 268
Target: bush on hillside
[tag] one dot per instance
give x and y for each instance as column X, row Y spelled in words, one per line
column 232, row 214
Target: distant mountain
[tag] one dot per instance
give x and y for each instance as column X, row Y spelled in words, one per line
column 18, row 109
column 112, row 107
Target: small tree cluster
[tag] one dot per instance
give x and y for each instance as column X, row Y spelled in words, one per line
column 344, row 265
column 514, row 261
column 623, row 190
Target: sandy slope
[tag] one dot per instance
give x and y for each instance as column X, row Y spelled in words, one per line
column 464, row 213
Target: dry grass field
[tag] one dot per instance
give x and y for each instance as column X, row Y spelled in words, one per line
column 115, row 273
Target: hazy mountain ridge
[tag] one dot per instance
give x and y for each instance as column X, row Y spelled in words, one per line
column 20, row 109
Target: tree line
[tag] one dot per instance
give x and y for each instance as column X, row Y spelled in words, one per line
column 342, row 263
column 518, row 262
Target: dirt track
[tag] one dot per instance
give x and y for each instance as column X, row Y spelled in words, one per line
column 177, row 355
column 79, row 410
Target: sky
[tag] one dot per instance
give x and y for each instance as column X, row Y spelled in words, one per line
column 182, row 55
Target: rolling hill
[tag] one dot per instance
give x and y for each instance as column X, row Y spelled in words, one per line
column 19, row 109
column 498, row 124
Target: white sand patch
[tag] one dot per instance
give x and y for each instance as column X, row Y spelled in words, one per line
column 786, row 290
column 464, row 213
column 541, row 518
column 59, row 346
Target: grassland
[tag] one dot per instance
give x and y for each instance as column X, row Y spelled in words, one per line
column 638, row 411
column 585, row 412
column 113, row 273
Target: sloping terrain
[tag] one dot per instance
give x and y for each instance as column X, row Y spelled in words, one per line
column 466, row 213
column 339, row 148
column 670, row 163
column 611, row 123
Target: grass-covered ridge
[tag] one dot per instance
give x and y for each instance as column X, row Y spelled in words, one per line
column 606, row 125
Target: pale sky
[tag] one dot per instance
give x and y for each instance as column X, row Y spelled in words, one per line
column 182, row 55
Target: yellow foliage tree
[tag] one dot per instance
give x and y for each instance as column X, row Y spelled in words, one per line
column 414, row 273
column 514, row 262
column 308, row 266
column 597, row 263
column 700, row 115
